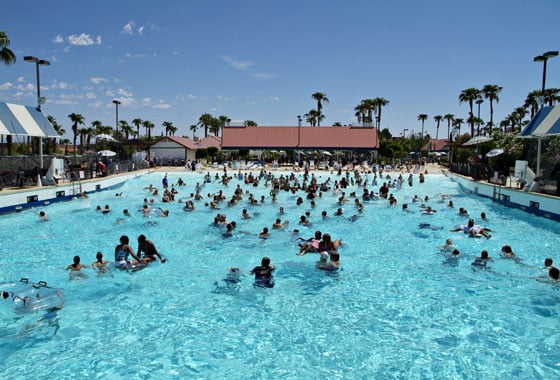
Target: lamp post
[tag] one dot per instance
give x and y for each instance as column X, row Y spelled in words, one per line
column 30, row 58
column 116, row 102
column 402, row 146
column 543, row 58
column 298, row 134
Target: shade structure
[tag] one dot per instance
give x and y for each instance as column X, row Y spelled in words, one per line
column 326, row 153
column 494, row 153
column 104, row 137
column 106, row 153
column 545, row 123
column 477, row 140
column 18, row 120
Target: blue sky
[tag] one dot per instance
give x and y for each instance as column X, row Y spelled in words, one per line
column 262, row 60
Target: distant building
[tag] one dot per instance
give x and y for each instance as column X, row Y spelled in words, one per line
column 180, row 148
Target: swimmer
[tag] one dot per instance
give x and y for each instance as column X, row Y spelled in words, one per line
column 482, row 260
column 150, row 251
column 263, row 273
column 106, row 210
column 332, row 264
column 43, row 216
column 100, row 264
column 507, row 251
column 277, row 224
column 264, row 234
column 447, row 247
column 554, row 274
column 75, row 269
column 122, row 251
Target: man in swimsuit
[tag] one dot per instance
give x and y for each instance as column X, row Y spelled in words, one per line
column 263, row 273
column 150, row 251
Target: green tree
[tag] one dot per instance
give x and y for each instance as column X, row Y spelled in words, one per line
column 449, row 118
column 379, row 103
column 437, row 119
column 6, row 55
column 168, row 126
column 126, row 129
column 76, row 120
column 148, row 125
column 490, row 92
column 137, row 123
column 312, row 117
column 321, row 98
column 250, row 123
column 422, row 117
column 470, row 95
column 59, row 130
column 205, row 121
column 193, row 128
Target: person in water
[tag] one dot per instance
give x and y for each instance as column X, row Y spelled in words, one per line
column 329, row 261
column 263, row 273
column 122, row 252
column 150, row 251
column 100, row 264
column 75, row 269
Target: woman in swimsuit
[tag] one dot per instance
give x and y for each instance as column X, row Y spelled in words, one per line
column 122, row 251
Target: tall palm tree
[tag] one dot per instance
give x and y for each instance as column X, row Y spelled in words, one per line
column 490, row 92
column 422, row 117
column 205, row 120
column 449, row 118
column 551, row 96
column 458, row 123
column 193, row 128
column 126, row 129
column 149, row 126
column 6, row 55
column 470, row 95
column 137, row 123
column 361, row 112
column 312, row 117
column 168, row 126
column 380, row 103
column 531, row 101
column 59, row 130
column 97, row 126
column 437, row 119
column 224, row 121
column 76, row 120
column 321, row 98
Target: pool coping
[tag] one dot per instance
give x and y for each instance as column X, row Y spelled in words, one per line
column 19, row 199
column 538, row 204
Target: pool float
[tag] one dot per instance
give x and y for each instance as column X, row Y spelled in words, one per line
column 31, row 297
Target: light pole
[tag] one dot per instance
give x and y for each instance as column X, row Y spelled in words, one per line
column 30, row 58
column 402, row 146
column 298, row 134
column 478, row 102
column 543, row 58
column 116, row 102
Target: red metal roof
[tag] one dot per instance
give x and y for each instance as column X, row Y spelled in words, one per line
column 436, row 145
column 266, row 137
column 192, row 144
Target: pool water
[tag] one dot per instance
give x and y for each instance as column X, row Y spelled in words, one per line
column 398, row 308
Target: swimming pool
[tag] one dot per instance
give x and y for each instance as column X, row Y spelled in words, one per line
column 397, row 309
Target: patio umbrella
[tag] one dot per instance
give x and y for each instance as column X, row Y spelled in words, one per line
column 478, row 140
column 494, row 153
column 104, row 137
column 106, row 153
column 326, row 153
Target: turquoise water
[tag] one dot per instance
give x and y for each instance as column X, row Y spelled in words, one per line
column 398, row 308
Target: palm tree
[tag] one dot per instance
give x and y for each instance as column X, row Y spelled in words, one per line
column 168, row 126
column 6, row 55
column 422, row 117
column 205, row 120
column 137, row 123
column 321, row 98
column 224, row 121
column 551, row 96
column 531, row 102
column 149, row 126
column 437, row 119
column 470, row 95
column 193, row 128
column 361, row 111
column 449, row 117
column 458, row 123
column 250, row 123
column 380, row 102
column 311, row 117
column 126, row 128
column 59, row 130
column 490, row 92
column 76, row 119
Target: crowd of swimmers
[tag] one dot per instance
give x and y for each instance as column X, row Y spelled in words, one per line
column 312, row 189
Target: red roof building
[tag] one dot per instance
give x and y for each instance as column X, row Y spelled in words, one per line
column 439, row 145
column 265, row 137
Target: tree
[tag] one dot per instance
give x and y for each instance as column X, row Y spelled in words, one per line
column 312, row 117
column 470, row 95
column 149, row 126
column 321, row 98
column 168, row 127
column 205, row 120
column 361, row 112
column 379, row 102
column 224, row 121
column 126, row 129
column 422, row 117
column 449, row 117
column 59, row 130
column 551, row 96
column 6, row 55
column 250, row 123
column 76, row 120
column 531, row 102
column 193, row 128
column 490, row 92
column 458, row 123
column 437, row 119
column 137, row 123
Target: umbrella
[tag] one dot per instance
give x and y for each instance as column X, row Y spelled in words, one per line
column 104, row 137
column 478, row 140
column 494, row 153
column 107, row 153
column 326, row 153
